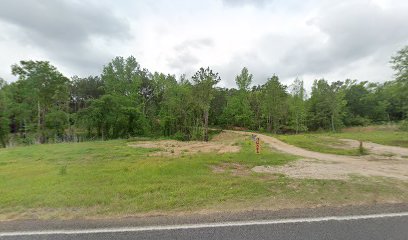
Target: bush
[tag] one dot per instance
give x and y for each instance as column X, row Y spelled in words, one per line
column 404, row 126
column 63, row 170
column 181, row 136
column 361, row 149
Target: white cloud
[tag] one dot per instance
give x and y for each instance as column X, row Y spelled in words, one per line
column 310, row 39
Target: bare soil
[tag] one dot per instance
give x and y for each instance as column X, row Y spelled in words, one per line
column 329, row 166
column 235, row 169
column 222, row 143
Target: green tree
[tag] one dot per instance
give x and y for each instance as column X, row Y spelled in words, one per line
column 244, row 80
column 238, row 109
column 274, row 103
column 297, row 106
column 82, row 90
column 326, row 105
column 47, row 87
column 204, row 81
column 400, row 65
column 123, row 82
column 4, row 118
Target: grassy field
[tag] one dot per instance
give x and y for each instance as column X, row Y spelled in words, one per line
column 387, row 135
column 99, row 179
column 330, row 143
column 324, row 143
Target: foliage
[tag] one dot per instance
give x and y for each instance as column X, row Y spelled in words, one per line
column 404, row 126
column 274, row 104
column 4, row 120
column 297, row 107
column 127, row 100
column 204, row 81
column 326, row 106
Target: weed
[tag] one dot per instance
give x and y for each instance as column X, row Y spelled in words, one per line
column 361, row 149
column 63, row 170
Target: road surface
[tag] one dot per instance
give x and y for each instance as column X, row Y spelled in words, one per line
column 375, row 226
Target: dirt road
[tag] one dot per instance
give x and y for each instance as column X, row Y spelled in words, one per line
column 329, row 166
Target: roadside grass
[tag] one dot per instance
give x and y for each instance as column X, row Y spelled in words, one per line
column 109, row 178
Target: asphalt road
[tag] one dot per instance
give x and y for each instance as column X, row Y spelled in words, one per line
column 376, row 226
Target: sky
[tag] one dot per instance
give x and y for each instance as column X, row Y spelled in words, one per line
column 309, row 39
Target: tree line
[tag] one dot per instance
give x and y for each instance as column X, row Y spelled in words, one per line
column 127, row 100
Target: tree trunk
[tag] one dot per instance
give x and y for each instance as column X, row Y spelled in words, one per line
column 38, row 116
column 332, row 122
column 269, row 124
column 206, row 125
column 297, row 125
column 39, row 122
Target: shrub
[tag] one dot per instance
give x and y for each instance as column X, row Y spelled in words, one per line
column 404, row 125
column 361, row 149
column 63, row 170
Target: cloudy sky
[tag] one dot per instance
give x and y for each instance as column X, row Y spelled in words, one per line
column 305, row 38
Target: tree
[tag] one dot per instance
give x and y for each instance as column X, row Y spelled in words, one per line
column 274, row 103
column 297, row 106
column 48, row 88
column 238, row 110
column 4, row 120
column 244, row 80
column 326, row 105
column 400, row 65
column 122, row 77
column 255, row 100
column 127, row 86
column 204, row 81
column 82, row 90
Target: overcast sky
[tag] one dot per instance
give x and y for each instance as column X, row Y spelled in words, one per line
column 305, row 38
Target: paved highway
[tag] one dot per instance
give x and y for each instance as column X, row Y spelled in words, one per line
column 376, row 226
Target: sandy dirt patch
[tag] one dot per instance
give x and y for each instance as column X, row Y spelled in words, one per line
column 330, row 166
column 222, row 143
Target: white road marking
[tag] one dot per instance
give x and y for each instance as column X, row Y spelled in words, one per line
column 204, row 225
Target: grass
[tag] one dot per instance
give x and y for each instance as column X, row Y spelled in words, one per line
column 320, row 143
column 109, row 178
column 385, row 137
column 330, row 142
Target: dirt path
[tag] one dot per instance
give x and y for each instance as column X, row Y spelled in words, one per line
column 330, row 166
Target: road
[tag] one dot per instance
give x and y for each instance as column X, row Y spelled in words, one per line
column 375, row 226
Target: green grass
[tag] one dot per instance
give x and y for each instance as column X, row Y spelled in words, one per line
column 385, row 137
column 329, row 142
column 111, row 179
column 323, row 143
